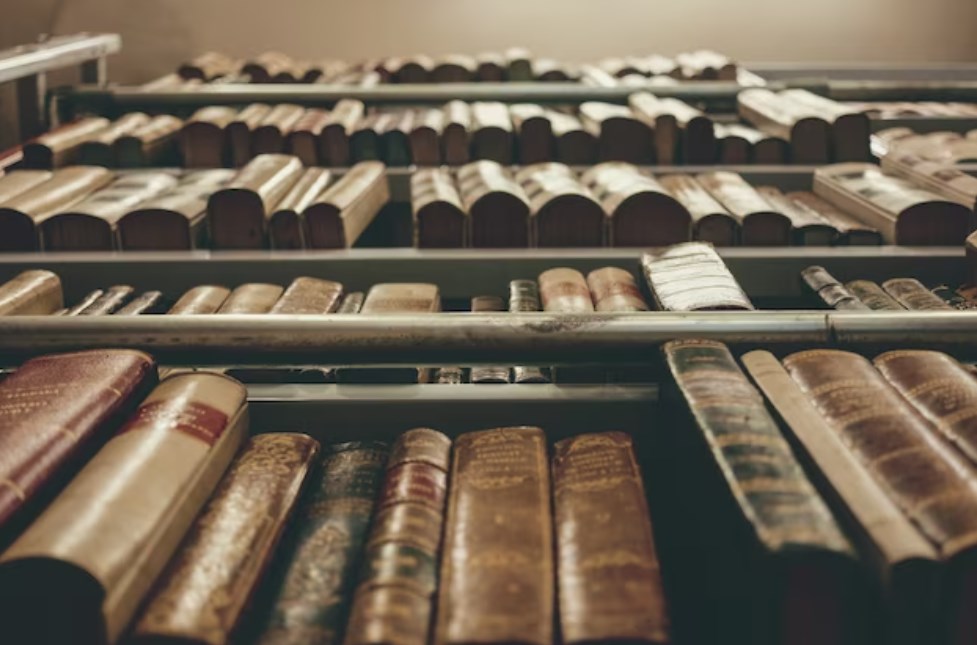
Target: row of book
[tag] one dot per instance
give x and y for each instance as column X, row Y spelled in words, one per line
column 923, row 109
column 895, row 294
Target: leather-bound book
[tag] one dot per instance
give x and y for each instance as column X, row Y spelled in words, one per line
column 640, row 211
column 620, row 136
column 524, row 296
column 108, row 302
column 564, row 212
column 394, row 599
column 455, row 131
column 412, row 70
column 251, row 298
column 312, row 590
column 394, row 133
column 692, row 277
column 233, row 541
column 489, row 373
column 270, row 134
column 548, row 70
column 808, row 228
column 99, row 150
column 205, row 299
column 574, row 144
column 534, row 132
column 614, row 289
column 440, row 220
column 565, row 290
column 491, row 132
column 682, row 133
column 760, row 224
column 203, row 138
column 901, row 212
column 496, row 578
column 609, row 580
column 780, row 568
column 264, row 67
column 351, row 303
column 334, row 136
column 309, row 296
column 207, row 66
column 851, row 231
column 454, row 69
column 286, row 226
column 239, row 132
column 931, row 483
column 873, row 295
column 238, row 213
column 338, row 217
column 61, row 146
column 147, row 302
column 740, row 144
column 87, row 301
column 425, row 137
column 497, row 206
column 938, row 176
column 451, row 375
column 18, row 182
column 491, row 67
column 92, row 223
column 364, row 138
column 95, row 552
column 732, row 147
column 303, row 139
column 153, row 144
column 711, row 221
column 175, row 219
column 850, row 129
column 19, row 215
column 809, row 134
column 830, row 291
column 905, row 564
column 913, row 295
column 518, row 63
column 35, row 292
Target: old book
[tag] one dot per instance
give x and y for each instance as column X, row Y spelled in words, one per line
column 251, row 298
column 411, row 70
column 497, row 206
column 395, row 147
column 682, row 133
column 518, row 63
column 760, row 223
column 927, row 479
column 574, row 145
column 808, row 132
column 913, row 295
column 18, row 182
column 455, row 133
column 440, row 220
column 808, row 228
column 692, row 277
column 451, row 375
column 338, row 216
column 905, row 564
column 453, row 68
column 523, row 297
column 614, row 289
column 491, row 132
column 92, row 224
column 873, row 295
column 620, row 135
column 286, row 224
column 609, row 580
column 35, row 292
column 207, row 66
column 57, row 411
column 564, row 212
column 534, row 132
column 238, row 213
column 100, row 150
column 174, row 219
column 399, row 568
column 489, row 373
column 364, row 137
column 61, row 146
column 351, row 303
column 496, row 578
column 87, row 301
column 109, row 301
column 334, row 136
column 425, row 136
column 851, row 231
column 270, row 135
column 153, row 144
column 147, row 302
column 96, row 551
column 829, row 290
column 18, row 216
column 203, row 137
column 564, row 290
column 640, row 211
column 205, row 299
column 491, row 67
column 239, row 132
column 303, row 138
column 775, row 529
column 937, row 176
column 711, row 221
column 764, row 149
column 732, row 147
column 233, row 541
column 549, row 70
column 311, row 593
column 850, row 129
column 266, row 66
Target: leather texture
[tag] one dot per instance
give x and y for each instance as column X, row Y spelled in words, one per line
column 614, row 289
column 692, row 277
column 309, row 296
column 564, row 290
column 873, row 296
column 912, row 295
column 251, row 298
column 31, row 293
column 205, row 299
column 402, row 298
column 833, row 293
column 439, row 217
column 338, row 217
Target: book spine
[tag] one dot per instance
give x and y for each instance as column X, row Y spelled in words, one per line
column 312, row 596
column 351, row 304
column 608, row 580
column 109, row 302
column 912, row 295
column 523, row 297
column 496, row 578
column 615, row 289
column 251, row 298
column 143, row 304
column 394, row 599
column 872, row 296
column 34, row 292
column 205, row 299
column 832, row 292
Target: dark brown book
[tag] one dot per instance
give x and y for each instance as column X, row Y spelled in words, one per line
column 913, row 295
column 807, row 227
column 850, row 128
column 286, row 225
column 455, row 138
column 147, row 302
column 454, row 69
column 334, row 136
column 614, row 289
column 497, row 581
column 411, row 70
column 491, row 132
column 364, row 137
column 203, row 137
column 692, row 277
column 830, row 291
column 100, row 150
column 497, row 206
column 851, row 231
column 271, row 132
column 574, row 145
column 609, row 581
column 240, row 131
column 740, row 144
column 518, row 64
column 491, row 67
column 873, row 295
column 109, row 301
column 620, row 135
column 61, row 146
column 711, row 221
column 682, row 133
column 153, row 144
column 338, row 217
column 760, row 224
column 732, row 148
column 207, row 66
column 395, row 146
column 564, row 212
column 500, row 374
column 534, row 132
column 303, row 139
column 205, row 299
column 523, row 297
column 640, row 211
column 266, row 66
column 35, row 292
column 440, row 220
column 425, row 136
column 238, row 214
column 809, row 134
column 250, row 298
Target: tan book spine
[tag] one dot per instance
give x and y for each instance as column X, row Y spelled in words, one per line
column 20, row 181
column 339, row 215
column 711, row 221
column 615, row 289
column 309, row 296
column 31, row 293
column 251, row 298
column 205, row 299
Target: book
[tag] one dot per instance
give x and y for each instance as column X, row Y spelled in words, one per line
column 307, row 295
column 491, row 132
column 830, row 291
column 334, row 136
column 455, row 129
column 440, row 220
column 873, row 295
column 488, row 373
column 204, row 299
column 312, row 589
column 450, row 375
column 497, row 206
column 937, row 176
column 238, row 214
column 395, row 148
column 207, row 66
column 364, row 137
column 608, row 576
column 496, row 578
column 574, row 144
column 239, row 132
column 807, row 227
column 614, row 289
column 60, row 147
column 564, row 290
column 147, row 302
column 491, row 67
column 286, row 225
column 808, row 132
column 913, row 295
column 454, row 68
column 34, row 292
column 251, row 298
column 233, row 540
column 109, row 301
column 269, row 137
column 151, row 145
column 518, row 62
column 18, row 182
column 339, row 215
column 851, row 231
column 138, row 496
column 425, row 136
column 692, row 277
column 523, row 297
column 760, row 224
column 303, row 138
column 682, row 133
column 710, row 221
column 351, row 303
column 620, row 136
column 203, row 137
column 87, row 301
column 850, row 129
column 100, row 150
column 564, row 212
column 534, row 132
